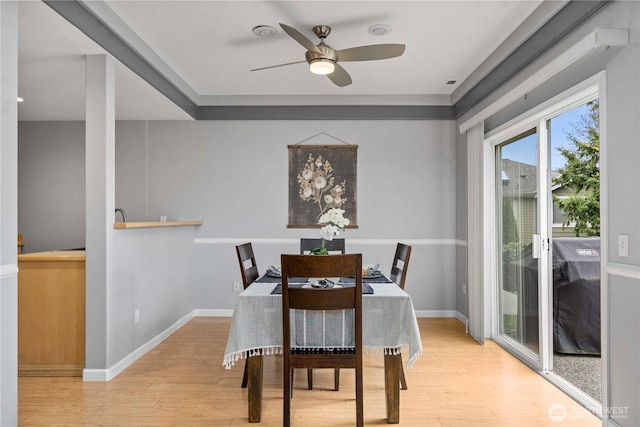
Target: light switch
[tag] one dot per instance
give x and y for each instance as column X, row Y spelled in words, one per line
column 623, row 245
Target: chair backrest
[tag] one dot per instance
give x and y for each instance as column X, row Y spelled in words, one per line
column 323, row 298
column 400, row 264
column 335, row 245
column 248, row 265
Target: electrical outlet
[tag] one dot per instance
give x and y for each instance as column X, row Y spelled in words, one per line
column 237, row 287
column 464, row 289
column 623, row 245
column 136, row 315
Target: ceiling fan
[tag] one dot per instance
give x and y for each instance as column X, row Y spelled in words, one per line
column 323, row 59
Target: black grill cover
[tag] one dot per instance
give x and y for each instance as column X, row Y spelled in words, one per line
column 576, row 295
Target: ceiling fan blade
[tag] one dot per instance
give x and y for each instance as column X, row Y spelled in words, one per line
column 340, row 77
column 371, row 52
column 300, row 38
column 279, row 65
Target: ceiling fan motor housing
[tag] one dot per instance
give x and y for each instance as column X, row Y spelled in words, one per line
column 322, row 31
column 327, row 53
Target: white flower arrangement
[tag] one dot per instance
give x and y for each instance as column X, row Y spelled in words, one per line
column 335, row 223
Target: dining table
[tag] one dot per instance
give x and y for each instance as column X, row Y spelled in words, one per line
column 389, row 328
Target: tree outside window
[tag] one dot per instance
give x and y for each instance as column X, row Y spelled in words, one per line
column 581, row 173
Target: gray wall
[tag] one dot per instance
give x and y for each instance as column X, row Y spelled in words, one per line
column 233, row 176
column 151, row 270
column 51, row 182
column 623, row 212
column 148, row 269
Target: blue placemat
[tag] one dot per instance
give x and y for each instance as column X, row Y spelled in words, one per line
column 381, row 279
column 272, row 279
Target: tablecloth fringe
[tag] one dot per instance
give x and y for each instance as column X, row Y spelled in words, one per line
column 413, row 358
column 231, row 359
column 377, row 351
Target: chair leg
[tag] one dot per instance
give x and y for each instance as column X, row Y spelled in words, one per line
column 310, row 379
column 244, row 376
column 336, row 379
column 359, row 398
column 403, row 381
column 286, row 404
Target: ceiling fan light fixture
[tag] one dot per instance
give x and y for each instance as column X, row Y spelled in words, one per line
column 322, row 66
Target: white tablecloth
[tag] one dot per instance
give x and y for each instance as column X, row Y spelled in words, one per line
column 389, row 325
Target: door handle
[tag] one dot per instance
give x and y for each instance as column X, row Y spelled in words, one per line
column 536, row 242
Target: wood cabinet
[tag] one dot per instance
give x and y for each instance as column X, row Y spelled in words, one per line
column 51, row 313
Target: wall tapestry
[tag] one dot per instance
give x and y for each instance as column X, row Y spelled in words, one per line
column 321, row 177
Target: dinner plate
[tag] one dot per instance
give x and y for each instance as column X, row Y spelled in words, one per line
column 373, row 275
column 309, row 285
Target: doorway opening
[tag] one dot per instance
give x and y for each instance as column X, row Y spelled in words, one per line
column 546, row 216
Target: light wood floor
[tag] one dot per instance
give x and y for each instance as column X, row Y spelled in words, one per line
column 182, row 382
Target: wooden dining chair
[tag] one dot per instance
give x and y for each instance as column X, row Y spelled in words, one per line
column 335, row 245
column 249, row 272
column 322, row 299
column 398, row 275
column 400, row 264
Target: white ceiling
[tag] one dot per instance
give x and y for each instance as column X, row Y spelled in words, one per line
column 210, row 48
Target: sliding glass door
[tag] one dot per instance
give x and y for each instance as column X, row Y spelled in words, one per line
column 517, row 225
column 545, row 230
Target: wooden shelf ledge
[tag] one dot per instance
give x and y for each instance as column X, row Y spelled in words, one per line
column 56, row 256
column 150, row 224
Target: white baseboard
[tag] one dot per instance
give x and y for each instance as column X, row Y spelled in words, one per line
column 436, row 313
column 462, row 318
column 97, row 375
column 104, row 375
column 8, row 270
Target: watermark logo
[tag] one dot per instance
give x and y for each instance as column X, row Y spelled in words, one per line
column 616, row 412
column 557, row 412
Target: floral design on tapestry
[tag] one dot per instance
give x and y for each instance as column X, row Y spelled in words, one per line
column 321, row 178
column 318, row 186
